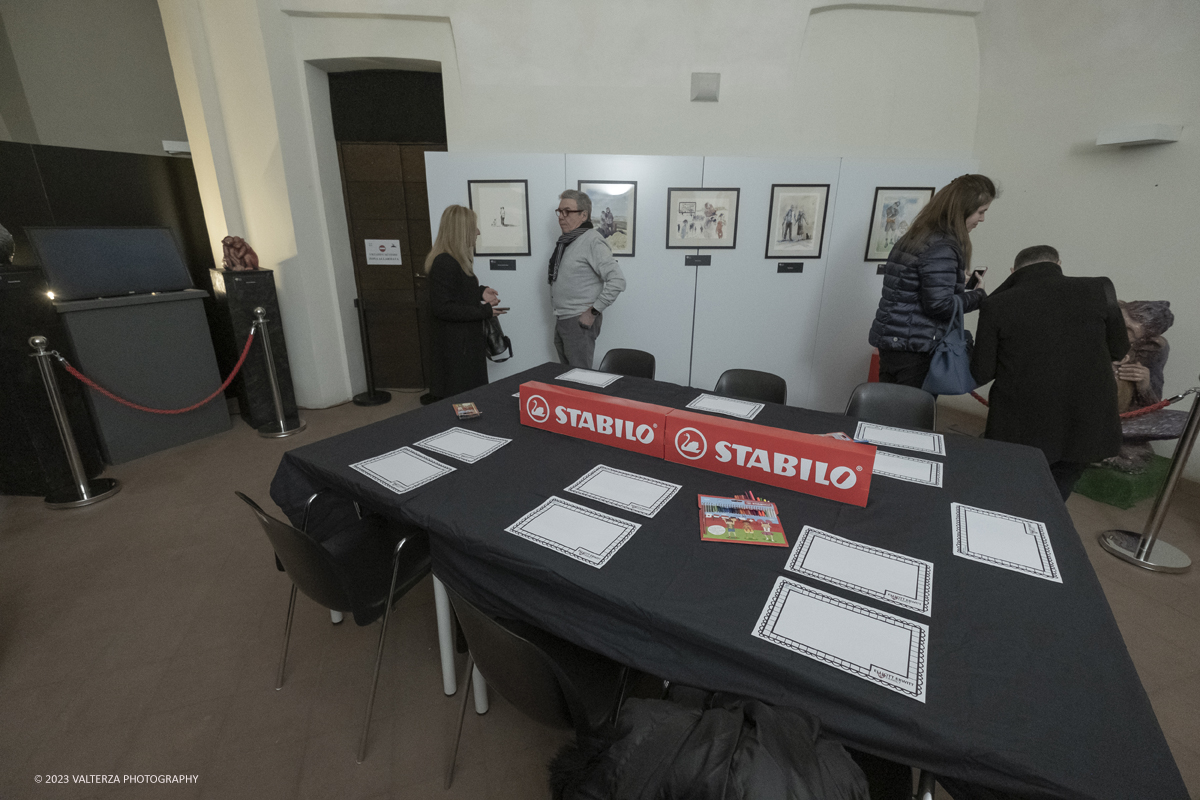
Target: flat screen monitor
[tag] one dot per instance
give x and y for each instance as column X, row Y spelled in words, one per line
column 85, row 263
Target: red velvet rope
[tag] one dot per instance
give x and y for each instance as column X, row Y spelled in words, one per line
column 89, row 382
column 1127, row 415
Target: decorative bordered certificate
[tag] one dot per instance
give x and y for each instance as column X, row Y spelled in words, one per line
column 1002, row 540
column 877, row 646
column 575, row 531
column 889, row 577
column 402, row 470
column 730, row 406
column 903, row 438
column 590, row 377
column 908, row 468
column 626, row 490
column 465, row 445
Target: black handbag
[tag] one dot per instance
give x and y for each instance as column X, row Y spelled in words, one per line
column 950, row 368
column 495, row 342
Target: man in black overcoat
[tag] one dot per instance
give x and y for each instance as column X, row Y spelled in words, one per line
column 1049, row 342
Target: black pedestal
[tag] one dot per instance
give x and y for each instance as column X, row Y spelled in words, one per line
column 238, row 293
column 32, row 460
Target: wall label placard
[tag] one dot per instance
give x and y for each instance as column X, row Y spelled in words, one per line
column 502, row 263
column 697, row 261
column 791, row 266
column 383, row 251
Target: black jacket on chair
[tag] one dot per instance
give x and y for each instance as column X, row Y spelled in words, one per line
column 1049, row 342
column 918, row 295
column 455, row 303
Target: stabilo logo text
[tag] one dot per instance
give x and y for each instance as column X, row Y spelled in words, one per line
column 785, row 465
column 605, row 425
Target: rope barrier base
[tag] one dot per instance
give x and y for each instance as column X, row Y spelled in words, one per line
column 1163, row 557
column 272, row 430
column 98, row 489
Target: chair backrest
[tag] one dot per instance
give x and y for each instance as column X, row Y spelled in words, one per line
column 750, row 384
column 893, row 404
column 306, row 562
column 517, row 668
column 624, row 361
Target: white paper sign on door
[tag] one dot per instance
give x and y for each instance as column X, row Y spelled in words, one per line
column 383, row 251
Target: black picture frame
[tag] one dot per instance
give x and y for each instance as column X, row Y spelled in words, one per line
column 678, row 197
column 492, row 214
column 817, row 225
column 630, row 218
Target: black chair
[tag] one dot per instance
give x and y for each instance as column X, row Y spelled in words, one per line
column 750, row 384
column 623, row 361
column 893, row 404
column 546, row 678
column 349, row 563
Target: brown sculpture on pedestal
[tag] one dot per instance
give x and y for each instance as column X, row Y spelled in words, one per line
column 238, row 254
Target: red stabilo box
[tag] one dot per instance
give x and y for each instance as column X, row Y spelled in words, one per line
column 802, row 462
column 627, row 424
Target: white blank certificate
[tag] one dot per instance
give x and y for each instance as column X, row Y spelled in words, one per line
column 598, row 379
column 874, row 645
column 574, row 530
column 1002, row 540
column 402, row 470
column 627, row 490
column 903, row 438
column 465, row 445
column 872, row 571
column 742, row 409
column 908, row 468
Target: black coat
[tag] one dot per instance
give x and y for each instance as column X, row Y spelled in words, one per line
column 1049, row 343
column 455, row 303
column 918, row 295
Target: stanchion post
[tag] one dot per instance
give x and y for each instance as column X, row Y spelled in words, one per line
column 1146, row 551
column 84, row 492
column 372, row 396
column 277, row 429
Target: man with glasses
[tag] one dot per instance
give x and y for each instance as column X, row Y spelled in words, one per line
column 584, row 280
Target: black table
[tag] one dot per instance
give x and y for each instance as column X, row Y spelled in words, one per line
column 1030, row 687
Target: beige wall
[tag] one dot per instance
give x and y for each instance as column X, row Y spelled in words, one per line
column 1056, row 73
column 94, row 74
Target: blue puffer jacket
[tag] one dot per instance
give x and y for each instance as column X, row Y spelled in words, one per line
column 918, row 292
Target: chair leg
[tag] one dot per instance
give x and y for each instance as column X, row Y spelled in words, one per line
column 287, row 636
column 387, row 613
column 481, row 692
column 336, row 616
column 621, row 695
column 925, row 787
column 462, row 712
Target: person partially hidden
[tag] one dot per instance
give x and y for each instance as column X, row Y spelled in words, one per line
column 1140, row 376
column 1049, row 342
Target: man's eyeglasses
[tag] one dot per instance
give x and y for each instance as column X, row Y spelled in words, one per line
column 566, row 212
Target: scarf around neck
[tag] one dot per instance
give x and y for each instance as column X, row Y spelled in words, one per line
column 561, row 245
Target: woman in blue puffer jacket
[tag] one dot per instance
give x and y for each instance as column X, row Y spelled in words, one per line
column 925, row 271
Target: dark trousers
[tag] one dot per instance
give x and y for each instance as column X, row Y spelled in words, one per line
column 903, row 367
column 1066, row 474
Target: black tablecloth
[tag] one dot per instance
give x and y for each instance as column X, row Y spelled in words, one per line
column 1030, row 687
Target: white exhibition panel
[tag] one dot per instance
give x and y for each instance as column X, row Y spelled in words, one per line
column 529, row 323
column 852, row 288
column 748, row 314
column 654, row 313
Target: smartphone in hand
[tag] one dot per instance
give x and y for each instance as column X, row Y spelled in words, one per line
column 976, row 277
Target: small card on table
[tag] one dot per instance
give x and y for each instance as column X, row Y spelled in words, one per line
column 402, row 470
column 575, row 531
column 467, row 410
column 465, row 445
column 908, row 468
column 730, row 406
column 626, row 490
column 589, row 377
column 903, row 438
column 881, row 574
column 1005, row 541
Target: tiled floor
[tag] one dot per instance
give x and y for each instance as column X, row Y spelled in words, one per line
column 140, row 636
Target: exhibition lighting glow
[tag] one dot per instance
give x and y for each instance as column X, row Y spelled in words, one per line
column 50, row 295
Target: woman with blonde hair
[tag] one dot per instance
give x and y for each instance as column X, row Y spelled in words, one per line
column 926, row 270
column 458, row 305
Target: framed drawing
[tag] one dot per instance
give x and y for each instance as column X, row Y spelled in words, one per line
column 503, row 211
column 614, row 213
column 894, row 210
column 704, row 218
column 797, row 224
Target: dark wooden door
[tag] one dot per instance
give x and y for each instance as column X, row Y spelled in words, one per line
column 384, row 187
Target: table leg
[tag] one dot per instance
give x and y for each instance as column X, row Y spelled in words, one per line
column 479, row 686
column 441, row 603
